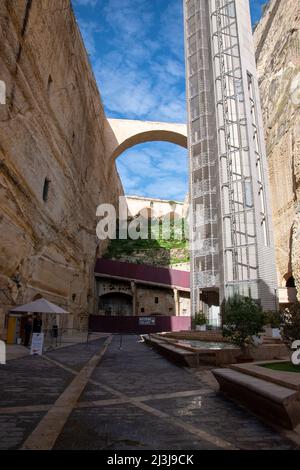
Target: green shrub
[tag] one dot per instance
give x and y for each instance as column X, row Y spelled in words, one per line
column 200, row 319
column 243, row 318
column 272, row 318
column 291, row 326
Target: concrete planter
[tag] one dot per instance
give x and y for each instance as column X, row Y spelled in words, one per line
column 257, row 340
column 244, row 359
column 200, row 327
column 276, row 333
column 273, row 332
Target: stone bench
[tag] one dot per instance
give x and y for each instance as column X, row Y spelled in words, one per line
column 277, row 404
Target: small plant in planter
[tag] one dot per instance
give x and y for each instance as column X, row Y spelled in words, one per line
column 243, row 319
column 272, row 322
column 200, row 321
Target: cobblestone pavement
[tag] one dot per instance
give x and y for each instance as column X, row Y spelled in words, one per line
column 132, row 399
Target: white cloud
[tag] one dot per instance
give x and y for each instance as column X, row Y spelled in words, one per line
column 131, row 183
column 166, row 187
column 171, row 28
column 155, row 170
column 85, row 3
column 173, row 110
column 175, row 162
column 138, row 61
column 132, row 43
column 134, row 93
column 88, row 30
column 174, row 67
column 129, row 17
column 139, row 163
column 137, row 75
column 123, row 89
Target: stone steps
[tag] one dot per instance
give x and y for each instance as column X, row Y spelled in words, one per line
column 270, row 340
column 278, row 404
column 283, row 379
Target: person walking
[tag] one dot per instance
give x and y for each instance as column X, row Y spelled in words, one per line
column 37, row 324
column 27, row 331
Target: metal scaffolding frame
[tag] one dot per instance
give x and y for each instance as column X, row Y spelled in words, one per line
column 203, row 151
column 229, row 206
column 236, row 179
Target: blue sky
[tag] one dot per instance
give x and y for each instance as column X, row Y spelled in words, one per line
column 137, row 54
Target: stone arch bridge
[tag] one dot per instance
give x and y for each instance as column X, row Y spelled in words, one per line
column 121, row 134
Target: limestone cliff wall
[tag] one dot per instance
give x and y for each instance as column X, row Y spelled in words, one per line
column 50, row 128
column 277, row 39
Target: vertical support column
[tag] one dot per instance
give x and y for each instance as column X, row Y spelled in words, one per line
column 201, row 304
column 2, row 322
column 177, row 302
column 134, row 298
column 96, row 296
column 203, row 150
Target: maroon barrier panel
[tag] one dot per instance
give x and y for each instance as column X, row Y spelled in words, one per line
column 143, row 272
column 141, row 325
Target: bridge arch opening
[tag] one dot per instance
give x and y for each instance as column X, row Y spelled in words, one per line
column 156, row 171
column 151, row 136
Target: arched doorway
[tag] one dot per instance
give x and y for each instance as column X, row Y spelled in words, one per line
column 290, row 282
column 116, row 304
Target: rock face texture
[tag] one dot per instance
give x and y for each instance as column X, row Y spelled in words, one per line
column 277, row 39
column 53, row 169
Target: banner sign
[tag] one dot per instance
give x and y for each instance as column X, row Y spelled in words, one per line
column 37, row 343
column 147, row 321
column 2, row 352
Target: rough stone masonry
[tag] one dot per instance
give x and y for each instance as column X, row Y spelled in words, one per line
column 277, row 39
column 53, row 170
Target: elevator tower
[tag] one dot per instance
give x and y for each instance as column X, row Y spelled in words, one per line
column 232, row 246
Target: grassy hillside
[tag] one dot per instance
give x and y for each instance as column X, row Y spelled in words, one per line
column 158, row 251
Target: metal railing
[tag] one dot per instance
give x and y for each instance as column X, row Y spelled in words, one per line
column 63, row 336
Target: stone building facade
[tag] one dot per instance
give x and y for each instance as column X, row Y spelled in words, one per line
column 156, row 208
column 127, row 298
column 131, row 289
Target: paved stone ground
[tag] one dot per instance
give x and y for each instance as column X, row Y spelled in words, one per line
column 31, row 385
column 76, row 356
column 134, row 399
column 15, row 351
column 14, row 427
column 31, row 381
